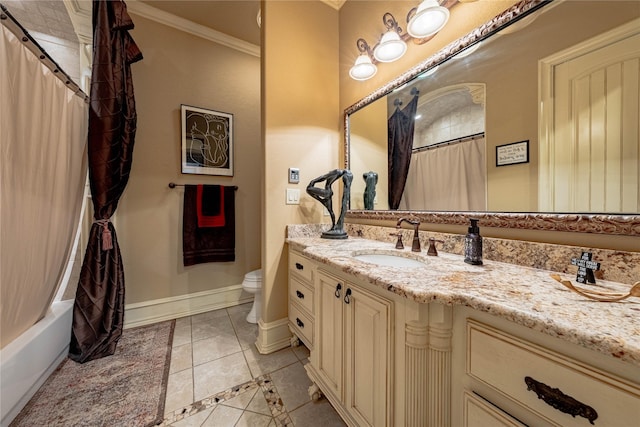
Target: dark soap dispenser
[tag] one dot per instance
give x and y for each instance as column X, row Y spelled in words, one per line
column 473, row 244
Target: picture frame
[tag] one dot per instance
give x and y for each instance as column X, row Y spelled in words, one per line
column 207, row 141
column 512, row 154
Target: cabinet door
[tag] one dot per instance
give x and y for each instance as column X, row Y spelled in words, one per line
column 368, row 332
column 330, row 332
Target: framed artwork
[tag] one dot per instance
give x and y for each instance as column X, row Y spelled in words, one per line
column 207, row 141
column 512, row 154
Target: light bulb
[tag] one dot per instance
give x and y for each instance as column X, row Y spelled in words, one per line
column 363, row 68
column 428, row 19
column 390, row 48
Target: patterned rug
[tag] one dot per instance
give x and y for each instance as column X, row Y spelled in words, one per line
column 125, row 389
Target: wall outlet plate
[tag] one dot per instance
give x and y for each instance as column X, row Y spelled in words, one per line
column 294, row 175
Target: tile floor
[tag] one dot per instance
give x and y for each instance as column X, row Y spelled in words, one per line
column 218, row 378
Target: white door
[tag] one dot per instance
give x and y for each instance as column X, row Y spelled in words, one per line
column 589, row 142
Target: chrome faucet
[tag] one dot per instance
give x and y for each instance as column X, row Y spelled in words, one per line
column 415, row 246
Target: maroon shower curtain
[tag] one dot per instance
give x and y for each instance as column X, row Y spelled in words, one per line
column 98, row 311
column 401, row 125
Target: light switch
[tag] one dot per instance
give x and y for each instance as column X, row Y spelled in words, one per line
column 293, row 196
column 294, row 175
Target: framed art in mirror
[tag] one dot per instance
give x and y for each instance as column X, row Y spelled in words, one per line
column 207, row 141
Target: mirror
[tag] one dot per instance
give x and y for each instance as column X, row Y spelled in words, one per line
column 482, row 93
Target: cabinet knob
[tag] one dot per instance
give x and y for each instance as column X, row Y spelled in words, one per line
column 300, row 323
column 299, row 294
column 337, row 292
column 560, row 401
column 347, row 296
column 299, row 266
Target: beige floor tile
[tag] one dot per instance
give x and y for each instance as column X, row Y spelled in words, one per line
column 218, row 375
column 316, row 414
column 261, row 364
column 181, row 335
column 179, row 390
column 259, row 404
column 223, row 416
column 301, row 352
column 195, row 420
column 215, row 347
column 251, row 419
column 181, row 358
column 183, row 322
column 292, row 384
column 211, row 328
column 242, row 400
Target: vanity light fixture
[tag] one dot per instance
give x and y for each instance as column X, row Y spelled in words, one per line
column 423, row 22
column 427, row 19
column 391, row 46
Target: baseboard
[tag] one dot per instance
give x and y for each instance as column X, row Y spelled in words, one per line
column 273, row 336
column 148, row 312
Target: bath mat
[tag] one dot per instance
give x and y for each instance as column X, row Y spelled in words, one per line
column 125, row 389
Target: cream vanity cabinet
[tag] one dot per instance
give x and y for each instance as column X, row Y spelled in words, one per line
column 353, row 358
column 508, row 375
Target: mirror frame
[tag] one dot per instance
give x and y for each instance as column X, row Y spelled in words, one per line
column 619, row 224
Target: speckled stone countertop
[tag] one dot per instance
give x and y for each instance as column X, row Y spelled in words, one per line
column 523, row 295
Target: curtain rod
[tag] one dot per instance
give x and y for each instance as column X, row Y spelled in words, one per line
column 449, row 142
column 174, row 185
column 12, row 24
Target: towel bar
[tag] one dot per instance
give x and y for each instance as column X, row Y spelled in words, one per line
column 174, row 185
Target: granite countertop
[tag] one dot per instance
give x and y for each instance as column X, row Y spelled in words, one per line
column 523, row 295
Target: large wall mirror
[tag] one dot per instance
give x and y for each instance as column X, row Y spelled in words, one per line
column 534, row 114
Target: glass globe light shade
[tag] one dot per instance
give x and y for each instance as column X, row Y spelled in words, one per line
column 428, row 19
column 363, row 69
column 390, row 48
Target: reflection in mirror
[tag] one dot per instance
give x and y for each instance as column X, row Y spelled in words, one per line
column 580, row 119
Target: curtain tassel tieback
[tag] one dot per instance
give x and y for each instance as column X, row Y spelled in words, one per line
column 107, row 241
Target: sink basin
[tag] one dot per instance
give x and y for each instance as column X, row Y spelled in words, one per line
column 389, row 260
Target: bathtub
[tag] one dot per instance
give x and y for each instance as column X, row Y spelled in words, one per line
column 27, row 362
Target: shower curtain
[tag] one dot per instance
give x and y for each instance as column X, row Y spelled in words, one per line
column 448, row 178
column 401, row 125
column 98, row 311
column 42, row 140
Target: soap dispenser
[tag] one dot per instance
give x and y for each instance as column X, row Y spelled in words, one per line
column 473, row 244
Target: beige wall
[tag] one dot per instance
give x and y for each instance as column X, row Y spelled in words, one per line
column 300, row 116
column 179, row 68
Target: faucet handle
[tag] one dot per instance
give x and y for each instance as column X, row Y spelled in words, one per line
column 399, row 244
column 432, row 246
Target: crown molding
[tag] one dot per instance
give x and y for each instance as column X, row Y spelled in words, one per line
column 190, row 27
column 336, row 4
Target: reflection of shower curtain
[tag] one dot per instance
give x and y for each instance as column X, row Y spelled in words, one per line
column 43, row 131
column 447, row 178
column 400, row 142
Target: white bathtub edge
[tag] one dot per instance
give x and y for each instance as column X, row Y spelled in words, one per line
column 27, row 361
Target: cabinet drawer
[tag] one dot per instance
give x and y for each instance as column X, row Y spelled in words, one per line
column 480, row 413
column 301, row 266
column 301, row 293
column 302, row 323
column 540, row 379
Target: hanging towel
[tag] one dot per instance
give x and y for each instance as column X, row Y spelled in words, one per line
column 210, row 205
column 208, row 244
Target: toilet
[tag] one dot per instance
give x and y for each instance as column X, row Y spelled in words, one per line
column 252, row 284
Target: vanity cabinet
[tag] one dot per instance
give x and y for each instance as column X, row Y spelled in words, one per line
column 516, row 378
column 352, row 364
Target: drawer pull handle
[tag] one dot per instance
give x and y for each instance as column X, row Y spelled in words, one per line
column 347, row 296
column 299, row 266
column 337, row 292
column 562, row 402
column 300, row 323
column 299, row 294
